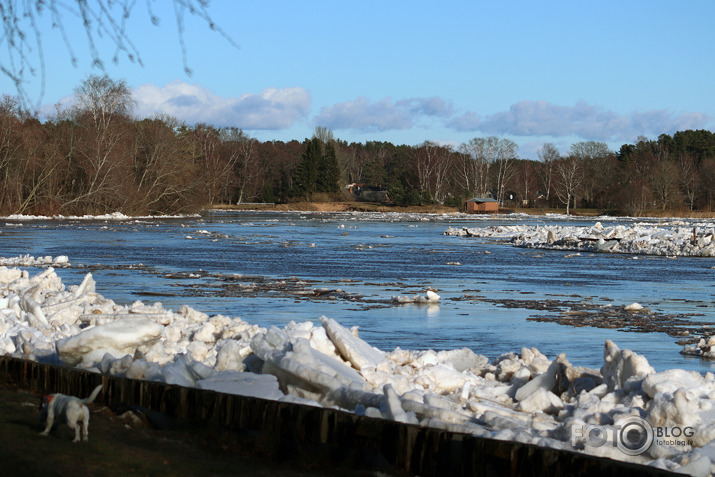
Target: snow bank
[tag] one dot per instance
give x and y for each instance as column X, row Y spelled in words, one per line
column 524, row 396
column 118, row 216
column 679, row 239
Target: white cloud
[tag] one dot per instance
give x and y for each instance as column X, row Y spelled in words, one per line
column 278, row 109
column 434, row 106
column 540, row 118
column 363, row 115
column 270, row 110
column 468, row 121
column 383, row 115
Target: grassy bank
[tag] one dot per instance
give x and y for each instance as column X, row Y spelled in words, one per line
column 348, row 206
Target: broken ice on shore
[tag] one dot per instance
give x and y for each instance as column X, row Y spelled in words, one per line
column 28, row 261
column 115, row 216
column 521, row 396
column 697, row 240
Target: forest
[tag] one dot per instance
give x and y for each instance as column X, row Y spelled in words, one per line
column 94, row 157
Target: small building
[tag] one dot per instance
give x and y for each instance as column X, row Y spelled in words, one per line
column 363, row 193
column 481, row 206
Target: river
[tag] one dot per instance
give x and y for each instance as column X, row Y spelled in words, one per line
column 273, row 267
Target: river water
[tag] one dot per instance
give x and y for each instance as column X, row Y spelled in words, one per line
column 273, row 267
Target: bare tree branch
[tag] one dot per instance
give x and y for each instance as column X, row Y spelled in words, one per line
column 22, row 36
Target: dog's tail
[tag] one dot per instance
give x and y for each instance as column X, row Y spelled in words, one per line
column 93, row 396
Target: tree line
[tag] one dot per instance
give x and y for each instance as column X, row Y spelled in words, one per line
column 94, row 157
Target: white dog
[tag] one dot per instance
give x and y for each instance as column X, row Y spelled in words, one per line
column 73, row 409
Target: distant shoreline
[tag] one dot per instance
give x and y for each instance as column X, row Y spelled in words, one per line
column 351, row 206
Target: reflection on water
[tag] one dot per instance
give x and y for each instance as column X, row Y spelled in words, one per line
column 271, row 268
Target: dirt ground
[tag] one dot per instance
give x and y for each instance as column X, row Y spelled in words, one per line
column 122, row 447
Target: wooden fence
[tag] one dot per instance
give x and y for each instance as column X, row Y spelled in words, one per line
column 329, row 437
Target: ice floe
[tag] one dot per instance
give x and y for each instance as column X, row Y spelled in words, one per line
column 677, row 239
column 705, row 348
column 521, row 396
column 29, row 261
column 430, row 297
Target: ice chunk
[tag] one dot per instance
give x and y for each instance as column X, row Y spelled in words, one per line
column 446, row 378
column 230, row 356
column 545, row 381
column 35, row 314
column 192, row 315
column 180, row 372
column 670, row 380
column 463, row 359
column 301, row 368
column 264, row 386
column 125, row 336
column 353, row 349
column 622, row 366
column 87, row 286
column 393, row 405
column 432, row 296
column 541, row 400
column 634, row 307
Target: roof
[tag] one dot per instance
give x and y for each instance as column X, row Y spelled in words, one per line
column 479, row 200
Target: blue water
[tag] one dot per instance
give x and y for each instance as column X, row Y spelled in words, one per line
column 265, row 267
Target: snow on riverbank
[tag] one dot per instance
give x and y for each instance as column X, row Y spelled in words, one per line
column 116, row 216
column 521, row 396
column 696, row 240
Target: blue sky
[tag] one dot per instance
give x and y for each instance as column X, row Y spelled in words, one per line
column 406, row 72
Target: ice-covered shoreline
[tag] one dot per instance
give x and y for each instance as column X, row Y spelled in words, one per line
column 116, row 216
column 678, row 240
column 521, row 396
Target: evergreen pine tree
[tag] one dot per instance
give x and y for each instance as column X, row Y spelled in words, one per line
column 305, row 179
column 328, row 171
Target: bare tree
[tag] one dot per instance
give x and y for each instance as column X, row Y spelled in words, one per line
column 217, row 171
column 505, row 156
column 441, row 175
column 432, row 161
column 10, row 148
column 689, row 178
column 323, row 134
column 663, row 179
column 636, row 196
column 351, row 161
column 242, row 153
column 594, row 156
column 568, row 178
column 102, row 112
column 527, row 179
column 707, row 183
column 479, row 154
column 165, row 177
column 39, row 170
column 464, row 172
column 100, row 19
column 548, row 154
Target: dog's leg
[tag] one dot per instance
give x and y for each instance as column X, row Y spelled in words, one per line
column 75, row 426
column 50, row 421
column 85, row 424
